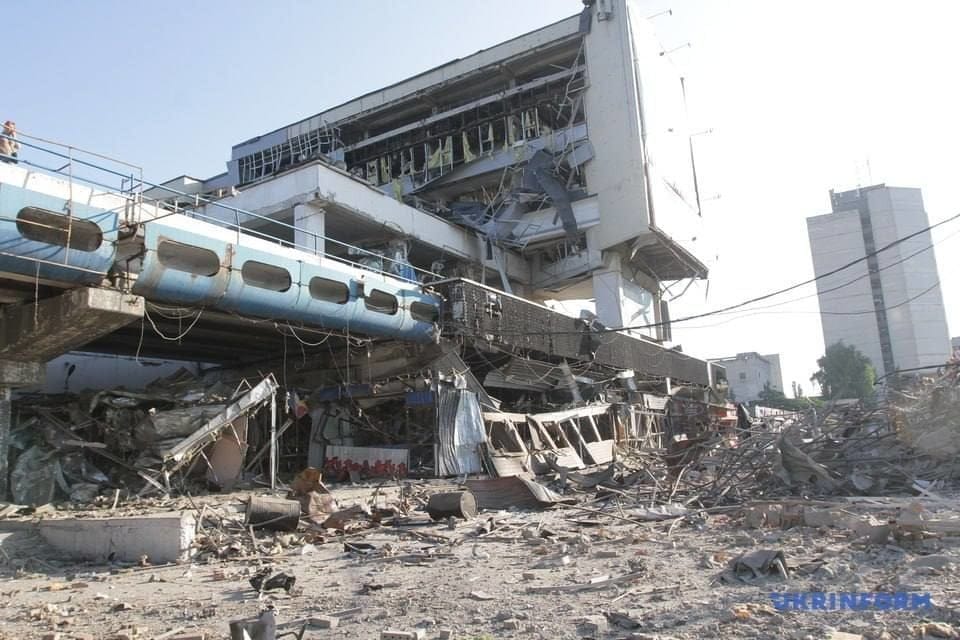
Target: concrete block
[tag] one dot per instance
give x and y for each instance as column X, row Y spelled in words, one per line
column 44, row 330
column 593, row 626
column 770, row 515
column 395, row 634
column 162, row 537
column 324, row 622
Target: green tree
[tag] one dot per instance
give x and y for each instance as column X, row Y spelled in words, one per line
column 770, row 397
column 778, row 400
column 844, row 373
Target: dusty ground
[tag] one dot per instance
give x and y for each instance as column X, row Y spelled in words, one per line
column 483, row 584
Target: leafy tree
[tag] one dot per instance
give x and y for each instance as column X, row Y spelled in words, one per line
column 844, row 373
column 770, row 395
column 775, row 399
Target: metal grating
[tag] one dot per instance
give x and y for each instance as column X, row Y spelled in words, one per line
column 479, row 312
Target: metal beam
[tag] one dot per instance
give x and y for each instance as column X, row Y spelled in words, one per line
column 488, row 99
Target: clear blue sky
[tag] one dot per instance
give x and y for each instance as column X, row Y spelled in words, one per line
column 171, row 86
column 802, row 97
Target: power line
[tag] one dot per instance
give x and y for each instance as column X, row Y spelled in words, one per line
column 772, row 294
column 829, row 313
column 899, row 304
column 760, row 298
column 756, row 310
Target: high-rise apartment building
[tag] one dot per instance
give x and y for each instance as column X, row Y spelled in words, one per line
column 887, row 303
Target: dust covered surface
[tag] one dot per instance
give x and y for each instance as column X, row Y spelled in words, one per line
column 562, row 572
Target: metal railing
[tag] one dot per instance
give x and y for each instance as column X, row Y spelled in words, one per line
column 131, row 190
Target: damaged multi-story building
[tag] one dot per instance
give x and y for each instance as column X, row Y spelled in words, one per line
column 397, row 260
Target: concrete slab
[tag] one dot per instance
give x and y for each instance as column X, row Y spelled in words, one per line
column 41, row 331
column 162, row 537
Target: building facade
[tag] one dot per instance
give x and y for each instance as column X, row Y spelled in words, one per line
column 555, row 166
column 748, row 374
column 391, row 257
column 887, row 302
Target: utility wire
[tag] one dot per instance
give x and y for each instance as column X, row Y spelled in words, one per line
column 760, row 298
column 820, row 292
column 792, row 287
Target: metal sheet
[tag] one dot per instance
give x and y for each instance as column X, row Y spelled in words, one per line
column 226, row 289
column 600, row 452
column 451, row 362
column 460, row 433
column 513, row 491
column 184, row 451
column 509, row 464
column 480, row 312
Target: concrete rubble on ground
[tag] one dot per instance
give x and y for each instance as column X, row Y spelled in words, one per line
column 657, row 542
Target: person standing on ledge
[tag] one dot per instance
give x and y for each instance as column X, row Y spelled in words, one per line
column 9, row 147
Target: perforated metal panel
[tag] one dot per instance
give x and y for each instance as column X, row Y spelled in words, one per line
column 479, row 312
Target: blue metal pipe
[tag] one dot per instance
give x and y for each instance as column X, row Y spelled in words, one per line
column 187, row 261
column 205, row 201
column 24, row 242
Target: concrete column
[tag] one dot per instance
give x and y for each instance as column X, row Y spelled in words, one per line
column 309, row 227
column 621, row 302
column 607, row 294
column 13, row 374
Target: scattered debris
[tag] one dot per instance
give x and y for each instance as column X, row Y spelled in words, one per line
column 749, row 567
column 262, row 628
column 266, row 580
column 743, row 612
column 396, row 634
column 936, row 630
column 516, row 492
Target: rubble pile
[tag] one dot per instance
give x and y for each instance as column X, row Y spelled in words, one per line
column 927, row 414
column 904, row 444
column 573, row 512
column 124, row 442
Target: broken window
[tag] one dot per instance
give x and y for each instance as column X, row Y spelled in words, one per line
column 381, row 302
column 329, row 290
column 41, row 225
column 188, row 258
column 265, row 276
column 424, row 312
